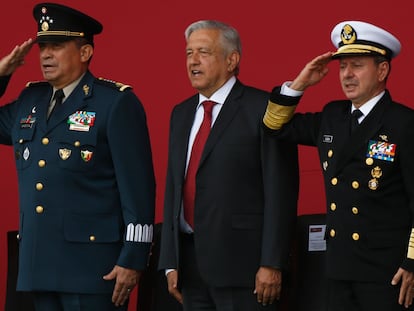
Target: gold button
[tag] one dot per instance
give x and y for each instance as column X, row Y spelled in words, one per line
column 18, row 236
column 92, row 238
column 330, row 153
column 334, row 181
column 369, row 161
column 45, row 141
column 333, row 206
column 21, row 141
column 39, row 209
column 355, row 210
column 332, row 233
column 42, row 163
column 355, row 184
column 77, row 143
column 39, row 186
column 355, row 236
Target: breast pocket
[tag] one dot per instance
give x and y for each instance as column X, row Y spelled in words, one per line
column 92, row 229
column 77, row 151
column 22, row 143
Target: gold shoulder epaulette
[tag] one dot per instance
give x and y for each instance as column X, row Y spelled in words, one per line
column 118, row 85
column 36, row 83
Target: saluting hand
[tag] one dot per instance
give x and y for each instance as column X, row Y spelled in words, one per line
column 313, row 72
column 10, row 62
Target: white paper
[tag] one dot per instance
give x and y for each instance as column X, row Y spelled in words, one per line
column 317, row 240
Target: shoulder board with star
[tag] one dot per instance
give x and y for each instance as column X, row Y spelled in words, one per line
column 36, row 83
column 117, row 85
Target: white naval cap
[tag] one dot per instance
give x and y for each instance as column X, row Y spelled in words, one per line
column 361, row 38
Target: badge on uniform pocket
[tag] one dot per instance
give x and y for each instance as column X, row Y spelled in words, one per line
column 86, row 155
column 64, row 153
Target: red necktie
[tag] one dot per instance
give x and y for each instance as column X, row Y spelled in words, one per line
column 196, row 151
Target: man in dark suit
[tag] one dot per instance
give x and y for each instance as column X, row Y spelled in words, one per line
column 85, row 174
column 243, row 190
column 368, row 168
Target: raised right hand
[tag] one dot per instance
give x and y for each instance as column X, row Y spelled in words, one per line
column 312, row 73
column 10, row 62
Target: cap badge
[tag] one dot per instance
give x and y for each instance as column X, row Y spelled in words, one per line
column 348, row 34
column 45, row 20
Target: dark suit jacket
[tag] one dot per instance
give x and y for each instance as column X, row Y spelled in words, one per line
column 80, row 185
column 246, row 197
column 370, row 197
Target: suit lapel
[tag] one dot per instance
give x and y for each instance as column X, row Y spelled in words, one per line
column 184, row 124
column 227, row 113
column 41, row 107
column 367, row 129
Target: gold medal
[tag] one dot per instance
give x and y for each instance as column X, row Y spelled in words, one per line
column 376, row 172
column 373, row 184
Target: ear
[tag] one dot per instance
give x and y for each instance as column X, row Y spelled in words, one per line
column 233, row 61
column 86, row 52
column 383, row 70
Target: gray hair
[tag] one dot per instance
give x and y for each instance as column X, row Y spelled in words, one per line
column 229, row 36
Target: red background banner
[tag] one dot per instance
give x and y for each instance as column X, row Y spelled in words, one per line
column 143, row 45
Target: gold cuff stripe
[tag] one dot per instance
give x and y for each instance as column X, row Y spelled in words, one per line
column 61, row 33
column 359, row 48
column 410, row 253
column 277, row 115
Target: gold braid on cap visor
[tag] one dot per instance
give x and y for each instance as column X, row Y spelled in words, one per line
column 359, row 48
column 277, row 115
column 60, row 33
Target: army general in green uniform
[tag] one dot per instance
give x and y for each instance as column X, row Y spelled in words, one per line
column 85, row 173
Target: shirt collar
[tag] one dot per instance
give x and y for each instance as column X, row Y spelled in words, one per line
column 221, row 94
column 67, row 90
column 369, row 105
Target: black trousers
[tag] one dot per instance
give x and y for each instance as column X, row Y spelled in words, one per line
column 198, row 295
column 363, row 296
column 52, row 301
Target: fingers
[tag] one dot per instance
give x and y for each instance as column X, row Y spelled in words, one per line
column 121, row 295
column 176, row 294
column 268, row 295
column 172, row 281
column 126, row 279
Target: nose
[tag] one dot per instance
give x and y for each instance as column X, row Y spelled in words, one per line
column 45, row 52
column 193, row 58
